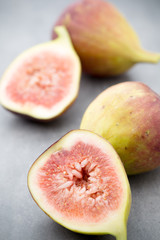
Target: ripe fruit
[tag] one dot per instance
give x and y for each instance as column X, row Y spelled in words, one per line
column 128, row 116
column 43, row 81
column 80, row 182
column 104, row 41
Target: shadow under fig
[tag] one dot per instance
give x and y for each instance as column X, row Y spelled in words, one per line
column 17, row 120
column 145, row 179
column 108, row 80
column 62, row 232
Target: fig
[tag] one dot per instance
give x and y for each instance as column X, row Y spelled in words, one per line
column 128, row 116
column 80, row 182
column 105, row 42
column 43, row 81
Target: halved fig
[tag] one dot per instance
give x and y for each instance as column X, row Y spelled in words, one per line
column 80, row 183
column 44, row 80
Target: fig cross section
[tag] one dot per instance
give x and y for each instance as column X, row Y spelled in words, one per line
column 43, row 81
column 80, row 182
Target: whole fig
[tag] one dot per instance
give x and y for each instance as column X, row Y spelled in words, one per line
column 128, row 116
column 105, row 42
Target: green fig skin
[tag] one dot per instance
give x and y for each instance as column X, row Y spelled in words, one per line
column 128, row 116
column 106, row 44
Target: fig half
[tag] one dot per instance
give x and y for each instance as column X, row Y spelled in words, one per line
column 44, row 80
column 80, row 183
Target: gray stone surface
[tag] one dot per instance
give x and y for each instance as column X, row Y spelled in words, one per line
column 22, row 25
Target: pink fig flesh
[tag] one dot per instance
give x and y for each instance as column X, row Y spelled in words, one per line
column 43, row 81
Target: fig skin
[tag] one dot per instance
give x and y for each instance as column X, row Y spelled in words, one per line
column 105, row 42
column 116, row 223
column 128, row 116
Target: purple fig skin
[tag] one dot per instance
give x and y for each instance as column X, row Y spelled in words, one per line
column 104, row 41
column 128, row 116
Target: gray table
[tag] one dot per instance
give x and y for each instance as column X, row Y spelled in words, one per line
column 22, row 25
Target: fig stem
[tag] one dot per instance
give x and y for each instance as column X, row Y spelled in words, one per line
column 63, row 35
column 147, row 57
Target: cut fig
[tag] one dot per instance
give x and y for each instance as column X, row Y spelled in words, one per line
column 80, row 183
column 44, row 80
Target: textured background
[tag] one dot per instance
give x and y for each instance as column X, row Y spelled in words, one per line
column 22, row 25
